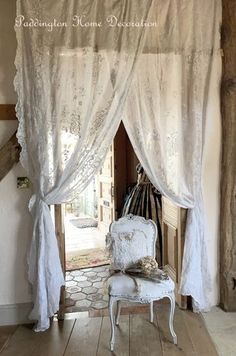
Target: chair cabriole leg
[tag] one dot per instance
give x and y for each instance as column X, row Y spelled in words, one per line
column 151, row 312
column 112, row 341
column 171, row 317
column 118, row 312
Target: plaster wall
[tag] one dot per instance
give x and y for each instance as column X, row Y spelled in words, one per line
column 211, row 178
column 15, row 220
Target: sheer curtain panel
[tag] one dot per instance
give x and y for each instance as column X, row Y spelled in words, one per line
column 165, row 117
column 82, row 66
column 71, row 83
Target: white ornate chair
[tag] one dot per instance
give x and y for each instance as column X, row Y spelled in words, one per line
column 130, row 239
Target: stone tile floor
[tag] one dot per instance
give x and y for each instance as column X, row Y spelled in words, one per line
column 221, row 326
column 85, row 289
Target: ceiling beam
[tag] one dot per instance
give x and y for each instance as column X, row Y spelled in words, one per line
column 7, row 112
column 9, row 155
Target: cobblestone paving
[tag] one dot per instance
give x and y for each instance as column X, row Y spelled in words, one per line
column 85, row 289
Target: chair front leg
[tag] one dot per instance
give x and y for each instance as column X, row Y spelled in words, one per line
column 151, row 311
column 118, row 312
column 171, row 317
column 112, row 341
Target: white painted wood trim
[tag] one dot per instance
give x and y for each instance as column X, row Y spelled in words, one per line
column 14, row 314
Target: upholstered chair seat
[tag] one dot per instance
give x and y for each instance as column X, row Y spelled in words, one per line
column 122, row 285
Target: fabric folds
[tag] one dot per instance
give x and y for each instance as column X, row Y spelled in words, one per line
column 71, row 90
column 150, row 67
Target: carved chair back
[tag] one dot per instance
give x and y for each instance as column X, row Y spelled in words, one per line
column 131, row 238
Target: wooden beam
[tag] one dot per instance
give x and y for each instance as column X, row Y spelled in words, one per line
column 60, row 233
column 9, row 155
column 7, row 112
column 228, row 182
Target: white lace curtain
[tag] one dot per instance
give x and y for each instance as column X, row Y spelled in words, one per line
column 70, row 94
column 73, row 82
column 166, row 127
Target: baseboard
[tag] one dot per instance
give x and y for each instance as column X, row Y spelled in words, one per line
column 14, row 314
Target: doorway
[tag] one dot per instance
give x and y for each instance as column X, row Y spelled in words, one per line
column 85, row 290
column 84, row 240
column 87, row 221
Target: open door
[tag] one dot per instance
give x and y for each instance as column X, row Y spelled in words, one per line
column 106, row 201
column 117, row 173
column 173, row 229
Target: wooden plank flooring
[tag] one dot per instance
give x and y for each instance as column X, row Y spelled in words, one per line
column 122, row 337
column 5, row 334
column 144, row 336
column 185, row 346
column 85, row 337
column 90, row 337
column 26, row 342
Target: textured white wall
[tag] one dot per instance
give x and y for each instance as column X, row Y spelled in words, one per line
column 15, row 221
column 211, row 178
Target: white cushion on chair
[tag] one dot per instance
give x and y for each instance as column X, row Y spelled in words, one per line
column 121, row 285
column 131, row 238
column 128, row 248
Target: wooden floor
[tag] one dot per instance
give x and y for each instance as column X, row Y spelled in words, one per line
column 90, row 336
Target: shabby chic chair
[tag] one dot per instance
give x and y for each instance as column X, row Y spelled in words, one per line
column 130, row 239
